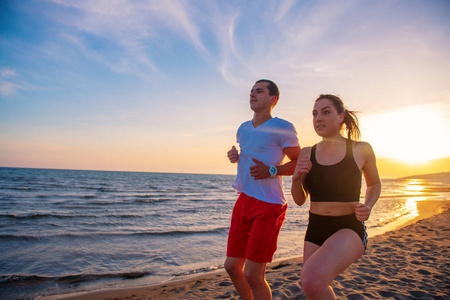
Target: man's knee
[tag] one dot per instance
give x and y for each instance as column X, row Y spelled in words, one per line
column 252, row 279
column 233, row 266
column 255, row 277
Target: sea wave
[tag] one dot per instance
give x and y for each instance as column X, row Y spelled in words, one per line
column 34, row 216
column 381, row 223
column 12, row 237
column 145, row 200
column 70, row 279
column 219, row 230
column 169, row 233
column 199, row 270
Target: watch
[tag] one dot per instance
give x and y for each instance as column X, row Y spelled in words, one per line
column 273, row 171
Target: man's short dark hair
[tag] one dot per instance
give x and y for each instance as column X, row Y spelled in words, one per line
column 273, row 88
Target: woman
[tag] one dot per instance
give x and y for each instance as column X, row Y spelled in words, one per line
column 330, row 172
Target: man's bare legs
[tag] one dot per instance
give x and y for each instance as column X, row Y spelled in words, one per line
column 248, row 278
column 235, row 269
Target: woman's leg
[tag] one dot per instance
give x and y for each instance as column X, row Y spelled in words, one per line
column 308, row 250
column 324, row 264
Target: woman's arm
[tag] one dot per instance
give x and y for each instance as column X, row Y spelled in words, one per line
column 370, row 172
column 298, row 190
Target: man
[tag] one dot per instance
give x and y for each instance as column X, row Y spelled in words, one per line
column 260, row 210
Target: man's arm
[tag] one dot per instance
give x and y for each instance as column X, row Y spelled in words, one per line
column 261, row 171
column 288, row 168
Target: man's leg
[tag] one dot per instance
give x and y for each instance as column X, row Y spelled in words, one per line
column 255, row 275
column 267, row 221
column 235, row 269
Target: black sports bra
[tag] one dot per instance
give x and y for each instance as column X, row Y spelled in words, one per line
column 340, row 182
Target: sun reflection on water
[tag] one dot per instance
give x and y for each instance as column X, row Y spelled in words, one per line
column 414, row 186
column 413, row 190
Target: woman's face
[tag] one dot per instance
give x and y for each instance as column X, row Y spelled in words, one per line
column 326, row 120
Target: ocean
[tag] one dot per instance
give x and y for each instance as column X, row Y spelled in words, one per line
column 66, row 231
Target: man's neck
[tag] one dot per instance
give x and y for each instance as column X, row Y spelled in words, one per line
column 261, row 118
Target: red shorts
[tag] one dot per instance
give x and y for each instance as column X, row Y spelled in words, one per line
column 254, row 229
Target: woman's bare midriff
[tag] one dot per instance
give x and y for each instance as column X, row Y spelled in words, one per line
column 333, row 208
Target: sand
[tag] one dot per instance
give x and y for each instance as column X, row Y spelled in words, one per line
column 411, row 262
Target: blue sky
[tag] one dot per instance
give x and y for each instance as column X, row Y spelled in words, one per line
column 163, row 85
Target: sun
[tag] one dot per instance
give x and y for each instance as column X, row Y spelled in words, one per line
column 414, row 135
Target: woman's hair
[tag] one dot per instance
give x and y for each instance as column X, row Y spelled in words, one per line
column 350, row 117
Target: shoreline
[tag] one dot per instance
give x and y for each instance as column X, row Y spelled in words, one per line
column 425, row 210
column 283, row 275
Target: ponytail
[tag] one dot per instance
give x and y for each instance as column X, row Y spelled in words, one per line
column 351, row 125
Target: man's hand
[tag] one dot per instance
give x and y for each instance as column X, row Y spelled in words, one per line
column 260, row 170
column 233, row 155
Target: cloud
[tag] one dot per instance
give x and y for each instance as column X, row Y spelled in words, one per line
column 130, row 36
column 7, row 84
column 281, row 37
column 294, row 41
column 283, row 8
column 132, row 31
column 7, row 73
column 7, row 88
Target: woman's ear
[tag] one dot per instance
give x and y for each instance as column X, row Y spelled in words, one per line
column 341, row 118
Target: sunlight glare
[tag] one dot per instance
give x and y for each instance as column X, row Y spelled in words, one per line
column 414, row 188
column 414, row 135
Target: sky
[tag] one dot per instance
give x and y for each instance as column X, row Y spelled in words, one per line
column 162, row 86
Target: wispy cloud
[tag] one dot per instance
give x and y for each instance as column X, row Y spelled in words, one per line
column 133, row 29
column 283, row 8
column 285, row 40
column 294, row 41
column 7, row 73
column 8, row 82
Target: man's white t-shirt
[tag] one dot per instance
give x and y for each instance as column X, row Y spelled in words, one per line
column 264, row 143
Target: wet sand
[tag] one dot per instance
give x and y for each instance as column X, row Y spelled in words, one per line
column 410, row 262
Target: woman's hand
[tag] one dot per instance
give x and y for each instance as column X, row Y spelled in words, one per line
column 303, row 167
column 362, row 212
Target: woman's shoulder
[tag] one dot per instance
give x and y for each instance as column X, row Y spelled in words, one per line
column 362, row 148
column 361, row 144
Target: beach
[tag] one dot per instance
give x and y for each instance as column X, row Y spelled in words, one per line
column 408, row 262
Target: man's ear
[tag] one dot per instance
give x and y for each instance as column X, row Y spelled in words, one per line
column 274, row 100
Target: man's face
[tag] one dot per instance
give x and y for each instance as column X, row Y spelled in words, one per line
column 260, row 98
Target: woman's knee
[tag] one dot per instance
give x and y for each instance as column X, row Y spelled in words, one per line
column 313, row 282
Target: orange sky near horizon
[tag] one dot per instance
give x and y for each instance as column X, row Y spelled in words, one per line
column 206, row 161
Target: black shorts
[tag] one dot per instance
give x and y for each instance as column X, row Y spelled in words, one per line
column 320, row 228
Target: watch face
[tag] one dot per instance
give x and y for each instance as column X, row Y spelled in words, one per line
column 273, row 170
